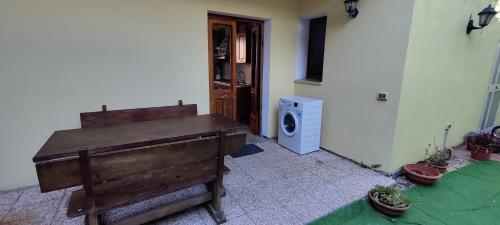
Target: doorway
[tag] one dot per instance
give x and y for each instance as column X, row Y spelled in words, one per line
column 235, row 69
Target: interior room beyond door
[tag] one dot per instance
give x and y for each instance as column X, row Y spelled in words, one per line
column 235, row 69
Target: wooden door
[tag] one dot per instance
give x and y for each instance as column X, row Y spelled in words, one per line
column 255, row 98
column 222, row 67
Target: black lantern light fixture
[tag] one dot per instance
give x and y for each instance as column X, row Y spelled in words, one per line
column 485, row 18
column 351, row 8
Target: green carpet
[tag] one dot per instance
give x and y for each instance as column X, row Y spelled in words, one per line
column 469, row 196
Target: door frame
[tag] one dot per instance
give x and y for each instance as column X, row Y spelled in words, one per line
column 261, row 74
column 493, row 86
column 225, row 18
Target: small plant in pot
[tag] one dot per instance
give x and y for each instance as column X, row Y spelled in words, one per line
column 468, row 139
column 438, row 158
column 389, row 200
column 481, row 146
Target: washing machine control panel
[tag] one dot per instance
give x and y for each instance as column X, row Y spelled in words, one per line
column 289, row 105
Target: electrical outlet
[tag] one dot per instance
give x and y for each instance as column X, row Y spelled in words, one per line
column 382, row 96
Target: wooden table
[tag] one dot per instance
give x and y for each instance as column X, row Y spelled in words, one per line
column 58, row 165
column 67, row 143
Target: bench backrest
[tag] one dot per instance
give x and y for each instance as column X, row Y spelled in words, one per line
column 176, row 162
column 67, row 173
column 119, row 178
column 114, row 117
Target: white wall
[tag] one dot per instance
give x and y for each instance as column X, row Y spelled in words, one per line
column 302, row 47
column 268, row 106
column 59, row 58
column 363, row 56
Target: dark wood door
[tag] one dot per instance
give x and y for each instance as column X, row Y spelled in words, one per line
column 255, row 98
column 222, row 67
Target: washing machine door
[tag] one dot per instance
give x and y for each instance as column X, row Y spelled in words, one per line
column 289, row 123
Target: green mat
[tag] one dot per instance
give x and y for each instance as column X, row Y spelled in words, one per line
column 469, row 196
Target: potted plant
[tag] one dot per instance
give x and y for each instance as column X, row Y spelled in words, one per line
column 422, row 174
column 481, row 146
column 467, row 139
column 389, row 200
column 437, row 159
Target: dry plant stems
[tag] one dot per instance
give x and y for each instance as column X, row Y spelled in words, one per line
column 438, row 157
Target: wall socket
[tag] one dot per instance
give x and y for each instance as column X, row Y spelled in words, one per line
column 382, row 96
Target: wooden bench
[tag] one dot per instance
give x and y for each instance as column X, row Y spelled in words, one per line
column 122, row 157
column 120, row 178
column 160, row 181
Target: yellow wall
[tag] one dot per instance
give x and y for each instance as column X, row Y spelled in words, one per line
column 59, row 58
column 446, row 76
column 363, row 56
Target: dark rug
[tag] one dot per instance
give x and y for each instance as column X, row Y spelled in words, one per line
column 249, row 149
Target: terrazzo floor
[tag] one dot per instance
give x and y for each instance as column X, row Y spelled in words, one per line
column 272, row 187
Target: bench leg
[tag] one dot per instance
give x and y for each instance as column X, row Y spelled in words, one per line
column 88, row 187
column 101, row 219
column 91, row 219
column 223, row 191
column 214, row 206
column 217, row 215
column 215, row 188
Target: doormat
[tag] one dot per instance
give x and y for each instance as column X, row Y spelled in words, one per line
column 249, row 149
column 469, row 196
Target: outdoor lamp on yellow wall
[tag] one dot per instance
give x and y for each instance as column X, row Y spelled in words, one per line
column 485, row 18
column 351, row 8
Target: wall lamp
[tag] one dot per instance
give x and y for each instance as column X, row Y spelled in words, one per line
column 351, row 8
column 485, row 18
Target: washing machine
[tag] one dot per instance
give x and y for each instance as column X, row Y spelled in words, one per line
column 300, row 124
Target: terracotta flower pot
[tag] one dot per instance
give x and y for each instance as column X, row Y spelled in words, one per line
column 481, row 153
column 422, row 174
column 469, row 146
column 386, row 209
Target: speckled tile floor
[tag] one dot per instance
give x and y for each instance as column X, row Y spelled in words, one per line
column 276, row 186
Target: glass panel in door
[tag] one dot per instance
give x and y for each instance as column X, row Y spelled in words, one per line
column 222, row 56
column 222, row 66
column 491, row 116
